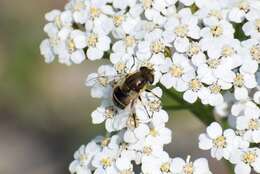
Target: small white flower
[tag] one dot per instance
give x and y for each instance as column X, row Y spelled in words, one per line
column 252, row 28
column 179, row 29
column 100, row 82
column 57, row 20
column 157, row 165
column 110, row 114
column 104, row 161
column 178, row 72
column 199, row 166
column 243, row 9
column 71, row 47
column 83, row 157
column 195, row 89
column 47, row 51
column 154, row 10
column 244, row 159
column 215, row 33
column 220, row 143
column 249, row 123
column 97, row 44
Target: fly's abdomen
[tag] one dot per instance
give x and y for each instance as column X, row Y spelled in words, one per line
column 120, row 98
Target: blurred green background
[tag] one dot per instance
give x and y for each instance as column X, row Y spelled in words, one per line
column 45, row 109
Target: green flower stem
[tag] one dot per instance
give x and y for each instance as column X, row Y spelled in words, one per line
column 202, row 112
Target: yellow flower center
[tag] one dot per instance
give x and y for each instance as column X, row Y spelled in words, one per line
column 220, row 142
column 154, row 132
column 147, row 150
column 195, row 85
column 95, row 12
column 244, row 6
column 103, row 80
column 181, row 31
column 239, row 80
column 249, row 157
column 71, row 45
column 106, row 162
column 165, row 168
column 194, row 49
column 217, row 31
column 109, row 112
column 118, row 20
column 92, row 40
column 129, row 41
column 105, row 142
column 79, row 5
column 213, row 63
column 120, row 67
column 155, row 105
column 188, row 168
column 227, row 51
column 216, row 13
column 253, row 124
column 147, row 3
column 255, row 52
column 157, row 47
column 215, row 88
column 257, row 24
column 176, row 71
column 83, row 158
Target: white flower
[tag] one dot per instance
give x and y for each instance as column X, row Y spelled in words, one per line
column 152, row 48
column 244, row 159
column 216, row 70
column 215, row 33
column 195, row 89
column 100, row 82
column 78, row 9
column 196, row 54
column 178, row 72
column 110, row 114
column 155, row 10
column 82, row 158
column 97, row 44
column 71, row 47
column 104, row 161
column 179, row 29
column 242, row 82
column 252, row 28
column 157, row 165
column 220, row 143
column 249, row 123
column 124, row 165
column 243, row 9
column 199, row 166
column 47, row 51
column 57, row 20
column 229, row 50
column 251, row 53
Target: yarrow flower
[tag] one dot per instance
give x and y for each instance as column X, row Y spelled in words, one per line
column 202, row 54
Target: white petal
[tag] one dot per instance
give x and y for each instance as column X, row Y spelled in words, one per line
column 214, row 130
column 242, row 169
column 94, row 53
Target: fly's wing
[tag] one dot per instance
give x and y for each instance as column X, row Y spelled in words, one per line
column 104, row 79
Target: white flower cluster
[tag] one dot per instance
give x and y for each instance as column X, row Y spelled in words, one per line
column 206, row 49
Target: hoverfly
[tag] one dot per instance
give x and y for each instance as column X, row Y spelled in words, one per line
column 127, row 89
